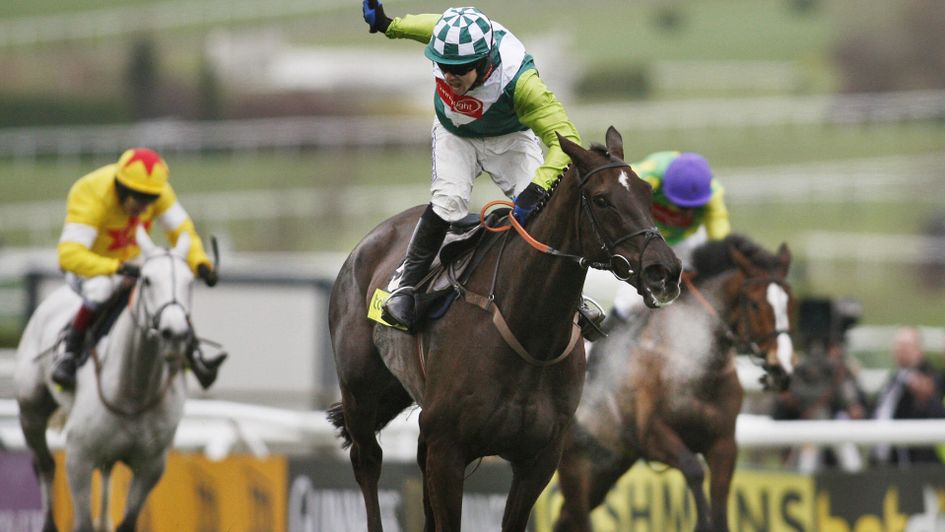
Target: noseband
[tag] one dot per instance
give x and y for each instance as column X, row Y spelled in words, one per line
column 617, row 261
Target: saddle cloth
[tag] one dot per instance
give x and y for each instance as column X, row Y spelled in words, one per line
column 435, row 292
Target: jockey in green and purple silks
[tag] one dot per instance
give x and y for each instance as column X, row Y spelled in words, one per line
column 685, row 196
column 492, row 113
column 688, row 207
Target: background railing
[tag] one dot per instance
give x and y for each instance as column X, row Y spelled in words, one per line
column 169, row 136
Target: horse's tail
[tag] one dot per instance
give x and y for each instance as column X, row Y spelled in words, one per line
column 337, row 417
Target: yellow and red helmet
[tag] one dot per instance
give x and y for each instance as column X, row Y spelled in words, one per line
column 142, row 170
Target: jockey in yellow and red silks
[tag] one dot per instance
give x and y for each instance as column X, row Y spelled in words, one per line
column 98, row 243
column 688, row 208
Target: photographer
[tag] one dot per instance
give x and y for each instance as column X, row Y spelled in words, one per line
column 910, row 392
column 824, row 384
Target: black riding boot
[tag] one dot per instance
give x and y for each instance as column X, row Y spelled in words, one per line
column 591, row 319
column 400, row 309
column 64, row 372
column 205, row 369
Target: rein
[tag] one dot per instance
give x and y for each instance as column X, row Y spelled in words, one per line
column 115, row 409
column 147, row 326
column 606, row 244
column 487, row 303
column 742, row 341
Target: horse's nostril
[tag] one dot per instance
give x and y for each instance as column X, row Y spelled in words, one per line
column 655, row 275
column 167, row 334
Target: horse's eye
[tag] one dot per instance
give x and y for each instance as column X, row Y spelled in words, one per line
column 146, row 281
column 600, row 201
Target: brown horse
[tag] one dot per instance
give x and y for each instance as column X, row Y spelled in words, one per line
column 666, row 389
column 479, row 396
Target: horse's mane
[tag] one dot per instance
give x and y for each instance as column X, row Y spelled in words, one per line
column 600, row 148
column 595, row 147
column 713, row 258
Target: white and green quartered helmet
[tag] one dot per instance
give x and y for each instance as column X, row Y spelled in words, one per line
column 462, row 35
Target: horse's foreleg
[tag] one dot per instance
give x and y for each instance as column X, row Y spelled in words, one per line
column 443, row 484
column 529, row 478
column 721, row 458
column 663, row 444
column 34, row 419
column 80, row 470
column 104, row 520
column 586, row 473
column 145, row 475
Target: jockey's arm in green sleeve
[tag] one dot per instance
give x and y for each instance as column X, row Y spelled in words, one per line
column 416, row 27
column 538, row 109
column 717, row 225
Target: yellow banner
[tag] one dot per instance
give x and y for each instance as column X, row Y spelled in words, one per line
column 656, row 499
column 239, row 493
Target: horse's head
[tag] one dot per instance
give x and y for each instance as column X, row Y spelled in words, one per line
column 164, row 294
column 762, row 312
column 617, row 229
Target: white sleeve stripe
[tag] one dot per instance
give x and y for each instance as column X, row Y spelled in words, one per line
column 173, row 217
column 79, row 233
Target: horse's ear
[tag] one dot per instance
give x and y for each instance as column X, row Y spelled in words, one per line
column 743, row 263
column 784, row 258
column 574, row 150
column 614, row 142
column 144, row 240
column 183, row 244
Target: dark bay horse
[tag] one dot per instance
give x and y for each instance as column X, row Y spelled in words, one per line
column 479, row 396
column 667, row 389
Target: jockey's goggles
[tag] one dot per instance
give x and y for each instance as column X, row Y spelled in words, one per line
column 141, row 197
column 458, row 70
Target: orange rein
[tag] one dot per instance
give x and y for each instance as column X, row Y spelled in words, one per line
column 513, row 224
column 687, row 279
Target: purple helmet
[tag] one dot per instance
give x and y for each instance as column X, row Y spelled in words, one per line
column 688, row 180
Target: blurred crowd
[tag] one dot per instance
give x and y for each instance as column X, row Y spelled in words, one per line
column 825, row 386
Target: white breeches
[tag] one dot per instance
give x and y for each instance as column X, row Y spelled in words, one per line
column 511, row 160
column 94, row 290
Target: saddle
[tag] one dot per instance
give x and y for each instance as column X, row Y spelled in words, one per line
column 462, row 250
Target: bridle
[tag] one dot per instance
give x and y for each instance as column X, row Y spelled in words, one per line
column 149, row 325
column 147, row 321
column 606, row 244
column 487, row 303
column 743, row 341
column 616, row 263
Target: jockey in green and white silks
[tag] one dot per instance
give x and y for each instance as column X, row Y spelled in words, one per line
column 499, row 116
column 492, row 113
column 688, row 207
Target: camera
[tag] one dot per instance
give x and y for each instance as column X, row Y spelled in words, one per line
column 823, row 322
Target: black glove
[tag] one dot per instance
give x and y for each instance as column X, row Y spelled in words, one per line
column 208, row 274
column 129, row 270
column 528, row 201
column 373, row 11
